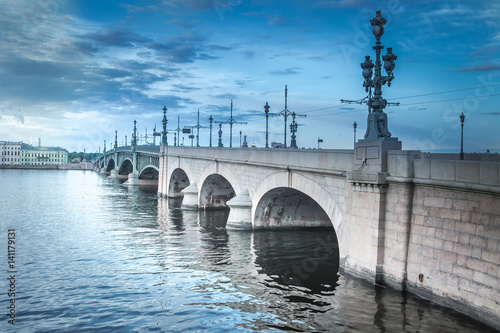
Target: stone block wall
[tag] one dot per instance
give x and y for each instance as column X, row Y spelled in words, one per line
column 397, row 233
column 454, row 250
column 360, row 244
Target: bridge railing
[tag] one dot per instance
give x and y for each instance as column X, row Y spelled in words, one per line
column 318, row 159
column 142, row 148
column 479, row 174
column 148, row 148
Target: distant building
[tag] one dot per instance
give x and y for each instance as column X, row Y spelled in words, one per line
column 277, row 145
column 10, row 152
column 43, row 155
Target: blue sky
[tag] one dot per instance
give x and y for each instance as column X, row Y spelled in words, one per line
column 74, row 71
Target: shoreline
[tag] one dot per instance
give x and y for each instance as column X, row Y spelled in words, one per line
column 79, row 166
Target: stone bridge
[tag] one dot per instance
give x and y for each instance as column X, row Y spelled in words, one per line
column 137, row 163
column 429, row 223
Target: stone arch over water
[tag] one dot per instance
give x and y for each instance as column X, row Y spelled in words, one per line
column 149, row 172
column 285, row 207
column 218, row 185
column 111, row 165
column 215, row 192
column 314, row 204
column 126, row 167
column 178, row 181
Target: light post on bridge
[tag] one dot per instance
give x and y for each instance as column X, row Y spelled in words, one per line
column 377, row 119
column 210, row 120
column 220, row 136
column 231, row 121
column 355, row 126
column 266, row 110
column 164, row 122
column 377, row 125
column 114, row 171
column 134, row 136
column 462, row 118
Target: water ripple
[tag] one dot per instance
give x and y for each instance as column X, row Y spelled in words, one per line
column 97, row 256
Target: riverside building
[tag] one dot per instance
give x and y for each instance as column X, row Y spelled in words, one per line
column 43, row 155
column 10, row 152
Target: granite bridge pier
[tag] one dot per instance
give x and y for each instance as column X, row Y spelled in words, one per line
column 427, row 223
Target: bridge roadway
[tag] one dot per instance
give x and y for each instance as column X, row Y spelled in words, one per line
column 428, row 223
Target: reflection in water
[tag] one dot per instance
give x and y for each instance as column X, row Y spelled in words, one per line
column 304, row 258
column 213, row 218
column 123, row 260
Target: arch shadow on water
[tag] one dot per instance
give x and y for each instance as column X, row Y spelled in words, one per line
column 302, row 258
column 213, row 219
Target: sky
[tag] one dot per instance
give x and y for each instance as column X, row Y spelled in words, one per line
column 72, row 72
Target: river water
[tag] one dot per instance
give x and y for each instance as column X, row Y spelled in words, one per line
column 94, row 255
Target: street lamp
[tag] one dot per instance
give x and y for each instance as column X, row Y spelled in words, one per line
column 355, row 126
column 266, row 110
column 134, row 135
column 164, row 123
column 377, row 127
column 210, row 120
column 220, row 136
column 462, row 118
column 293, row 130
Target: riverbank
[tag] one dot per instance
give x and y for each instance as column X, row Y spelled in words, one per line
column 75, row 166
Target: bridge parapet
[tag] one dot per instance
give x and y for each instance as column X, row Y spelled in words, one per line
column 423, row 168
column 148, row 148
column 310, row 159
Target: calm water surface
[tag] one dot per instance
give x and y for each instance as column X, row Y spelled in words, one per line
column 93, row 255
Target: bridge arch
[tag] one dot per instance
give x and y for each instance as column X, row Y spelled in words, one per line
column 178, row 181
column 149, row 172
column 126, row 167
column 217, row 186
column 215, row 191
column 300, row 191
column 111, row 165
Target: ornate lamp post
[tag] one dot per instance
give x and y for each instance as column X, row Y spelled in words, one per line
column 293, row 130
column 220, row 136
column 377, row 127
column 462, row 118
column 134, row 136
column 164, row 122
column 266, row 110
column 210, row 120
